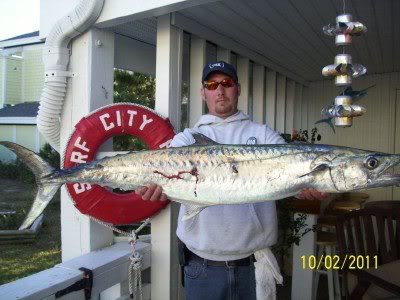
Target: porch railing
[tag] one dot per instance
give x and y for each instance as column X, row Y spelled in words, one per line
column 109, row 266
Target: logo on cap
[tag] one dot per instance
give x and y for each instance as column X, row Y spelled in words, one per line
column 252, row 141
column 221, row 65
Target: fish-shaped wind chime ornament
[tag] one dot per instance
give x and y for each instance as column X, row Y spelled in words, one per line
column 344, row 70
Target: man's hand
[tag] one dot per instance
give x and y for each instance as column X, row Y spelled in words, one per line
column 312, row 194
column 153, row 193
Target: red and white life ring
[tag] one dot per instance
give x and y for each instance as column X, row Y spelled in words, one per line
column 90, row 133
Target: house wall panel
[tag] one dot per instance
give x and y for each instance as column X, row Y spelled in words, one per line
column 197, row 61
column 33, row 75
column 290, row 100
column 374, row 131
column 1, row 82
column 6, row 132
column 280, row 103
column 13, row 93
column 243, row 72
column 270, row 98
column 134, row 55
column 26, row 136
column 298, row 101
column 258, row 93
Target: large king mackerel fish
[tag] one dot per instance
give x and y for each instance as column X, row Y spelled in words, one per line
column 207, row 173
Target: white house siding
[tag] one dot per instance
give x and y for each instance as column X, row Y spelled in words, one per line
column 33, row 75
column 13, row 81
column 2, row 61
column 26, row 135
column 21, row 79
column 6, row 133
column 134, row 55
column 374, row 131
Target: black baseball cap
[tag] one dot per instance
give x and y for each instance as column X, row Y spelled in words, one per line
column 219, row 66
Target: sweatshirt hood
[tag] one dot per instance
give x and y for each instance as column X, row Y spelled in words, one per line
column 214, row 120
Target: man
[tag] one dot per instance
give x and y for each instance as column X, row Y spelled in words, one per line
column 221, row 240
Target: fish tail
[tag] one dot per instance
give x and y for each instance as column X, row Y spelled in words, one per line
column 39, row 168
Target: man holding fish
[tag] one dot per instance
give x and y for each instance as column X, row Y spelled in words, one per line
column 247, row 174
column 219, row 243
column 247, row 170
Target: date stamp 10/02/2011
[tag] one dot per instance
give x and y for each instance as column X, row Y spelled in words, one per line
column 336, row 262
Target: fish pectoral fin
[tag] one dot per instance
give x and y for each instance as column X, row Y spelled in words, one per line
column 319, row 168
column 201, row 139
column 192, row 211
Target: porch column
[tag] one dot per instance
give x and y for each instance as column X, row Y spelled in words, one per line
column 290, row 98
column 298, row 99
column 243, row 70
column 3, row 79
column 92, row 61
column 258, row 93
column 197, row 61
column 304, row 107
column 280, row 103
column 165, row 283
column 223, row 54
column 270, row 99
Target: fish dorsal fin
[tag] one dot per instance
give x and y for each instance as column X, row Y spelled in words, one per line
column 201, row 139
column 192, row 211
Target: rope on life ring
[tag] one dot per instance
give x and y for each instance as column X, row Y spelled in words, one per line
column 89, row 134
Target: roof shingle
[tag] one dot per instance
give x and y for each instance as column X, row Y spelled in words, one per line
column 27, row 109
column 23, row 36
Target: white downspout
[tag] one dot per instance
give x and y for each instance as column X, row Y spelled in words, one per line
column 56, row 59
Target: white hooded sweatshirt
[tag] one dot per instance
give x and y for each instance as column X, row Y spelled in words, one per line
column 229, row 232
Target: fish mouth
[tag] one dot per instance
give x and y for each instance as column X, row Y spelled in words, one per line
column 389, row 176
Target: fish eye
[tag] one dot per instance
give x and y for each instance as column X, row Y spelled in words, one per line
column 371, row 163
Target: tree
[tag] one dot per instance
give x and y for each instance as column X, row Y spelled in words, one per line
column 135, row 88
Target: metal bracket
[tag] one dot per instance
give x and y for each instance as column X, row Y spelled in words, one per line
column 58, row 73
column 85, row 283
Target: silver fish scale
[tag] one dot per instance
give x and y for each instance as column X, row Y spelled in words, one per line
column 237, row 172
column 221, row 165
column 217, row 174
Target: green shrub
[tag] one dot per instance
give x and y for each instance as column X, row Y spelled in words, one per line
column 16, row 170
column 135, row 88
column 50, row 155
column 12, row 221
column 127, row 142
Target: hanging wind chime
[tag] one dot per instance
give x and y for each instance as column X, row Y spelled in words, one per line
column 344, row 70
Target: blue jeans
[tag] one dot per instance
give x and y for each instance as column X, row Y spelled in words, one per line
column 219, row 282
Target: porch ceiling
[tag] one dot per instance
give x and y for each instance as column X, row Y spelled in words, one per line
column 144, row 30
column 288, row 33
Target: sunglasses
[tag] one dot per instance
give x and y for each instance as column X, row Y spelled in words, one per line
column 213, row 85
